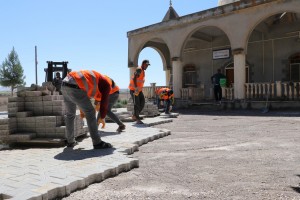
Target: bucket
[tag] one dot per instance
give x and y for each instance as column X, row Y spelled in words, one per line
column 223, row 82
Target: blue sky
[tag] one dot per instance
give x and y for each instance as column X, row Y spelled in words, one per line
column 89, row 34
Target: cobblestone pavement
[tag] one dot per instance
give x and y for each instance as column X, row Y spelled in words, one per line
column 48, row 173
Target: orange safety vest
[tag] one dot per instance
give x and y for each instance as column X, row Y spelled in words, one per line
column 88, row 81
column 163, row 93
column 139, row 81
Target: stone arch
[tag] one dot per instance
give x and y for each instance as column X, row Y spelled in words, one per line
column 205, row 33
column 197, row 49
column 264, row 16
column 160, row 46
column 270, row 42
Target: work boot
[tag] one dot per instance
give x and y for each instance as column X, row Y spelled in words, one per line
column 73, row 144
column 121, row 128
column 103, row 145
column 139, row 122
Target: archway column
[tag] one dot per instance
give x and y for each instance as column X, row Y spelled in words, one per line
column 131, row 72
column 168, row 77
column 239, row 73
column 177, row 77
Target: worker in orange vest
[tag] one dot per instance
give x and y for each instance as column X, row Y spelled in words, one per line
column 113, row 98
column 77, row 89
column 136, row 90
column 167, row 96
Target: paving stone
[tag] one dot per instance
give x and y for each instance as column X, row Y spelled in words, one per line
column 41, row 173
column 33, row 93
column 16, row 99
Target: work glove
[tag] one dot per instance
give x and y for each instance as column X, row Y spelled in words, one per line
column 97, row 107
column 82, row 115
column 101, row 121
column 136, row 92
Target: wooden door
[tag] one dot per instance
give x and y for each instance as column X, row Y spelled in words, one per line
column 230, row 77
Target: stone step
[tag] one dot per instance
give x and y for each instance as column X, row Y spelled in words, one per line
column 20, row 137
column 42, row 142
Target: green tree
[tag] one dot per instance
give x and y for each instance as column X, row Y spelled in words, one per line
column 11, row 72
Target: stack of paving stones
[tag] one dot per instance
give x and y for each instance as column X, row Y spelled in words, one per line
column 150, row 109
column 37, row 113
column 122, row 114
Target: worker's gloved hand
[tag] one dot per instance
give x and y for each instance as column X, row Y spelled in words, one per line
column 136, row 92
column 101, row 121
column 82, row 115
column 97, row 106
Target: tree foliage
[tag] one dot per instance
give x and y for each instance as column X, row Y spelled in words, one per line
column 11, row 72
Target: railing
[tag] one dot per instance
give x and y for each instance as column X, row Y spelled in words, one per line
column 149, row 92
column 228, row 93
column 194, row 94
column 277, row 90
column 253, row 91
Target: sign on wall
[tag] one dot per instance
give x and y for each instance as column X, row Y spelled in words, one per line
column 221, row 54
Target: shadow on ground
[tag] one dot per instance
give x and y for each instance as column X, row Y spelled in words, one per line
column 81, row 154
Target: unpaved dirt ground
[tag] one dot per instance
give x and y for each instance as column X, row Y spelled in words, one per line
column 213, row 155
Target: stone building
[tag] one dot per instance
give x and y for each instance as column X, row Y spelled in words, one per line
column 256, row 43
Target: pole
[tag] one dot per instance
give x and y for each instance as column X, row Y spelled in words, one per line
column 36, row 78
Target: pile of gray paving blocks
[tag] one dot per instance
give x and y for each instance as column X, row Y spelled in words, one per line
column 36, row 113
column 150, row 109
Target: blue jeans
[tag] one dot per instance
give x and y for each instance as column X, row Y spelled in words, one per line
column 73, row 97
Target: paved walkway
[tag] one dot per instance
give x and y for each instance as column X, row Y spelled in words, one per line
column 47, row 173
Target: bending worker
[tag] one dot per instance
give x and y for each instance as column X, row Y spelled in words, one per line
column 136, row 90
column 77, row 88
column 166, row 95
column 112, row 99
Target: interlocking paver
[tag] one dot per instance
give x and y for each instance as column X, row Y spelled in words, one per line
column 48, row 173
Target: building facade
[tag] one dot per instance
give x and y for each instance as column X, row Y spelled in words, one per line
column 256, row 44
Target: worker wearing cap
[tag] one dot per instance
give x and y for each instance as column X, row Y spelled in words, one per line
column 77, row 88
column 136, row 90
column 166, row 95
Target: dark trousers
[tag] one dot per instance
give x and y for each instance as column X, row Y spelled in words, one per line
column 139, row 103
column 112, row 99
column 158, row 100
column 166, row 106
column 218, row 92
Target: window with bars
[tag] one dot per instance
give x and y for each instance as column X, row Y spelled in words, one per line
column 189, row 76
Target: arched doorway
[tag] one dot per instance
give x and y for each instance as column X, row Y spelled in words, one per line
column 229, row 73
